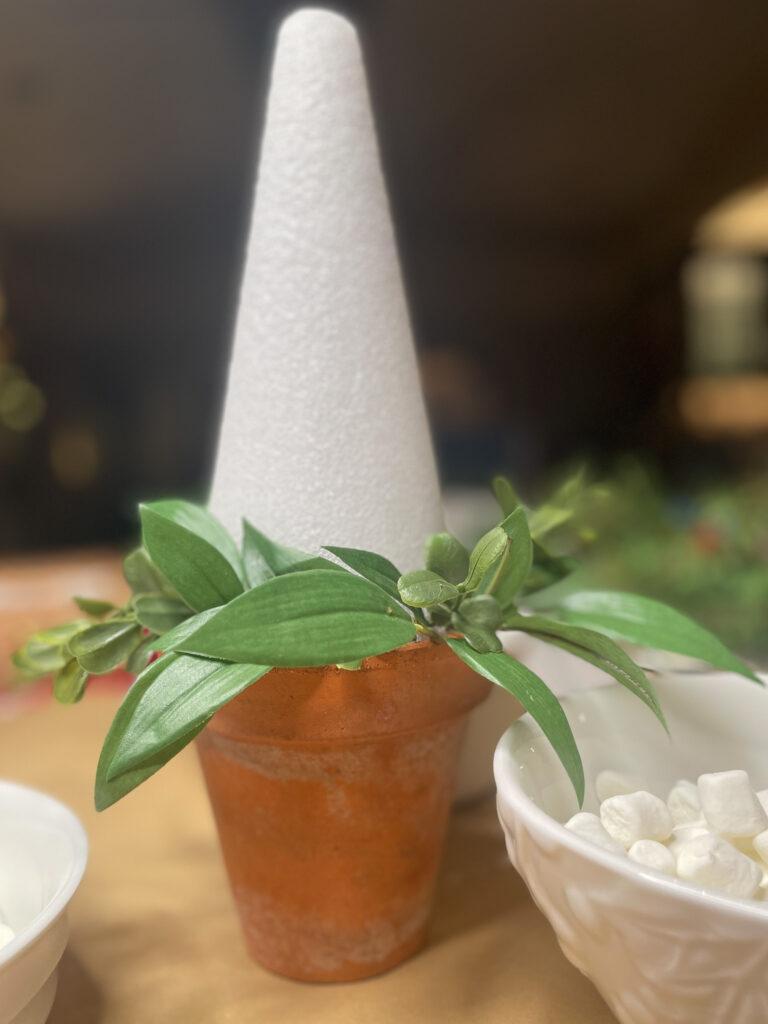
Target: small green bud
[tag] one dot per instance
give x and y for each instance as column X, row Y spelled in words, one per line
column 446, row 556
column 424, row 588
column 481, row 610
column 483, row 640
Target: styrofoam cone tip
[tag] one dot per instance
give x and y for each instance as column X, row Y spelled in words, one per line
column 324, row 437
column 316, row 22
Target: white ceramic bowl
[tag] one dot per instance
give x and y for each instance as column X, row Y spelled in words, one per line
column 660, row 951
column 43, row 852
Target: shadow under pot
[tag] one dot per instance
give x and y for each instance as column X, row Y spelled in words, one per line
column 331, row 791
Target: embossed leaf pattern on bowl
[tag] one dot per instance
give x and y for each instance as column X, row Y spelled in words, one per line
column 653, row 964
column 659, row 951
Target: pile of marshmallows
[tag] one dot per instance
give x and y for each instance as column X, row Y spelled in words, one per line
column 713, row 834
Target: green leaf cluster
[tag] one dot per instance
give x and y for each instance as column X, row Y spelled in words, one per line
column 207, row 619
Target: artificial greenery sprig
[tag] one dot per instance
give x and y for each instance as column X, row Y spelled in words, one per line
column 207, row 619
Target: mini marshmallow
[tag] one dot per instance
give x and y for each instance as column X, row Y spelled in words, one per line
column 682, row 833
column 683, row 803
column 760, row 843
column 7, row 934
column 762, row 796
column 712, row 863
column 729, row 804
column 635, row 816
column 589, row 827
column 611, row 783
column 654, row 855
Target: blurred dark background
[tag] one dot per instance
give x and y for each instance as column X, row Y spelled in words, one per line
column 549, row 168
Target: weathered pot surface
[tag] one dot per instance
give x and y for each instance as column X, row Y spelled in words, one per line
column 331, row 792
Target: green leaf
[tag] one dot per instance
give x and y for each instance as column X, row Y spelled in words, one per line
column 537, row 699
column 302, row 619
column 516, row 562
column 317, row 562
column 176, row 701
column 447, row 556
column 505, row 493
column 422, row 589
column 481, row 610
column 483, row 640
column 142, row 576
column 54, row 636
column 25, row 668
column 484, row 555
column 548, row 518
column 69, row 683
column 373, row 567
column 193, row 551
column 139, row 657
column 547, row 570
column 159, row 613
column 40, row 659
column 594, row 648
column 264, row 558
column 562, row 506
column 46, row 651
column 106, row 792
column 93, row 607
column 257, row 568
column 175, row 637
column 648, row 623
column 103, row 647
column 511, row 524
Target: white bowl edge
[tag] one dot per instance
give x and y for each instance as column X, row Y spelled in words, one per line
column 57, row 815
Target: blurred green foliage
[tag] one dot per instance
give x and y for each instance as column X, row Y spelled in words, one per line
column 703, row 551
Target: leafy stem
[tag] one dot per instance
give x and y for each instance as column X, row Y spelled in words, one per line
column 222, row 617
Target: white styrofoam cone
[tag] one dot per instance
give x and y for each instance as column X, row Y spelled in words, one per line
column 324, row 437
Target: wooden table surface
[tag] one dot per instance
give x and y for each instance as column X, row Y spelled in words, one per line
column 155, row 939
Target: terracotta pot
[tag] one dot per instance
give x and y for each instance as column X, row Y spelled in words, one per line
column 331, row 792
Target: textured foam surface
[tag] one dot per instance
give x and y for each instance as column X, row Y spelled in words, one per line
column 324, row 438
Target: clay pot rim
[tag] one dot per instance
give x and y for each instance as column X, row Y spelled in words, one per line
column 374, row 662
column 405, row 690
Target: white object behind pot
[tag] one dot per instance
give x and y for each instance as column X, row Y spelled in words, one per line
column 562, row 672
column 324, row 437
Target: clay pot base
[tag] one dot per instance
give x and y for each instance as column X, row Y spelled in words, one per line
column 331, row 792
column 350, row 971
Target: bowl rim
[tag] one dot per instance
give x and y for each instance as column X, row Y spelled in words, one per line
column 512, row 793
column 58, row 816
